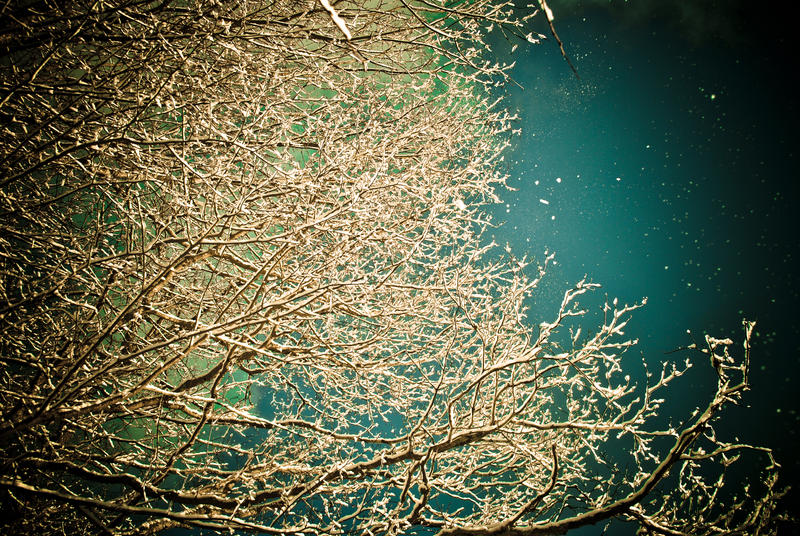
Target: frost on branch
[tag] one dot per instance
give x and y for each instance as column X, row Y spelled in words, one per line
column 245, row 287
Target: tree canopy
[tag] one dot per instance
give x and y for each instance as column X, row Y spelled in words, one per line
column 245, row 286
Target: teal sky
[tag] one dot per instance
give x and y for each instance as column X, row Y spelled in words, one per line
column 669, row 170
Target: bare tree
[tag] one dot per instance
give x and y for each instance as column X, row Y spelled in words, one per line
column 245, row 287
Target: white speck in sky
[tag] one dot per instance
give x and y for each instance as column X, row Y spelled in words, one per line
column 553, row 217
column 558, row 179
column 536, row 182
column 544, row 201
column 619, row 179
